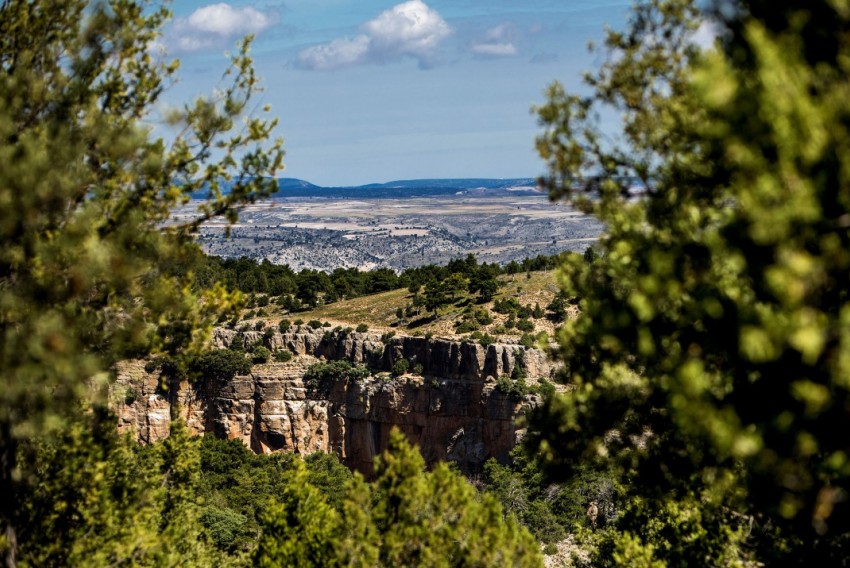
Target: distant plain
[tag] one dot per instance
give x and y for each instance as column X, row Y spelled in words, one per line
column 327, row 233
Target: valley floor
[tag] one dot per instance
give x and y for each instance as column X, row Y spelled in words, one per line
column 325, row 234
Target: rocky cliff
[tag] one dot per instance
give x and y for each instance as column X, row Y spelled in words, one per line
column 453, row 410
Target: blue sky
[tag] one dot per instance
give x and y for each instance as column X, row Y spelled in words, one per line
column 371, row 91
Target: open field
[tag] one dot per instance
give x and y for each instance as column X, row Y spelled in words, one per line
column 323, row 233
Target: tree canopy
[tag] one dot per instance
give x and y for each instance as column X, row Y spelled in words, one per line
column 710, row 360
column 87, row 191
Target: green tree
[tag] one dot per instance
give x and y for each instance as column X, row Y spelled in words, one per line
column 405, row 517
column 102, row 499
column 711, row 356
column 435, row 296
column 302, row 529
column 87, row 190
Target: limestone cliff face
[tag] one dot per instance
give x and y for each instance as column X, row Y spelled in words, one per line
column 454, row 412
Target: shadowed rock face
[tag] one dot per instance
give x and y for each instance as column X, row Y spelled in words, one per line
column 454, row 413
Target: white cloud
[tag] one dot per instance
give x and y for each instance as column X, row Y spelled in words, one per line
column 499, row 41
column 408, row 29
column 338, row 53
column 215, row 25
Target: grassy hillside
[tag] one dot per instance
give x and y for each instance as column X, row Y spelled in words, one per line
column 379, row 311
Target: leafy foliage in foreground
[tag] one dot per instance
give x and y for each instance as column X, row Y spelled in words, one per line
column 712, row 355
column 87, row 252
column 104, row 500
column 405, row 517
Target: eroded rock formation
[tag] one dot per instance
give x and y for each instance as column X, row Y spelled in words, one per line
column 453, row 412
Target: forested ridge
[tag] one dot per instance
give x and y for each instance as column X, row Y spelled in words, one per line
column 708, row 397
column 307, row 287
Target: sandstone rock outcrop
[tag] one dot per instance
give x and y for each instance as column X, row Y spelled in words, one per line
column 453, row 412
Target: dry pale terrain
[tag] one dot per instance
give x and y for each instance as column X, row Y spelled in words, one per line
column 327, row 233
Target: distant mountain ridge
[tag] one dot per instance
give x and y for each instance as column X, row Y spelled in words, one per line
column 294, row 187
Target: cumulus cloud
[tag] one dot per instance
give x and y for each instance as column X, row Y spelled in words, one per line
column 409, row 29
column 497, row 42
column 215, row 25
column 338, row 53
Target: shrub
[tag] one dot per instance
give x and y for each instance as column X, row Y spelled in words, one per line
column 262, row 301
column 506, row 306
column 545, row 388
column 558, row 308
column 467, row 326
column 537, row 312
column 518, row 371
column 418, row 369
column 483, row 316
column 130, row 396
column 299, row 321
column 314, row 324
column 400, row 367
column 259, row 325
column 385, row 338
column 527, row 340
column 260, row 354
column 326, row 324
column 282, row 356
column 515, row 388
column 237, row 343
column 525, row 325
column 221, row 365
column 484, row 339
column 362, row 328
column 333, row 371
column 261, row 313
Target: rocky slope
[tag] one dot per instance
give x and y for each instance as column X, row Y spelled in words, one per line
column 454, row 411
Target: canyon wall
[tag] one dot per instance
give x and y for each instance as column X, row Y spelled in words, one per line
column 452, row 411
